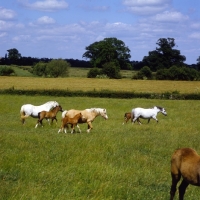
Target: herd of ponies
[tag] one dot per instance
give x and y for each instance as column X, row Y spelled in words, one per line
column 185, row 162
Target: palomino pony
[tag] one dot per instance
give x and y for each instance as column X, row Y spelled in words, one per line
column 73, row 121
column 88, row 115
column 31, row 110
column 48, row 115
column 146, row 113
column 185, row 162
column 127, row 116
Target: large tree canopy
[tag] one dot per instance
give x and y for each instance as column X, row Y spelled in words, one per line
column 106, row 51
column 14, row 55
column 164, row 56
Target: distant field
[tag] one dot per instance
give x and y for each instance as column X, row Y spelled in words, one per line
column 87, row 84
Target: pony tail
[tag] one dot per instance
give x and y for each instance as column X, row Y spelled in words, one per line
column 39, row 114
column 64, row 113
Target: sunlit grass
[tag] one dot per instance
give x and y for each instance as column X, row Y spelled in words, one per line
column 88, row 84
column 114, row 161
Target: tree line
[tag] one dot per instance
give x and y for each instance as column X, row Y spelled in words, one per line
column 110, row 55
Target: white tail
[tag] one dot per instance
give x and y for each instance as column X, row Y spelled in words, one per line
column 64, row 113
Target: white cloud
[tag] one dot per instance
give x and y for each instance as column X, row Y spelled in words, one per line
column 3, row 34
column 6, row 14
column 46, row 5
column 195, row 35
column 45, row 20
column 146, row 7
column 94, row 8
column 195, row 25
column 145, row 2
column 170, row 17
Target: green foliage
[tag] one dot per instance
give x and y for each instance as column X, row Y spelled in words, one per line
column 178, row 73
column 55, row 68
column 39, row 69
column 108, row 50
column 13, row 55
column 103, row 94
column 144, row 73
column 6, row 71
column 93, row 72
column 164, row 56
column 111, row 70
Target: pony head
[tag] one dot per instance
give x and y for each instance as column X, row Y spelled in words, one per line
column 162, row 110
column 101, row 111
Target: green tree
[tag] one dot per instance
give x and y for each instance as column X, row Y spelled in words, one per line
column 108, row 50
column 39, row 69
column 93, row 72
column 111, row 70
column 57, row 67
column 145, row 72
column 6, row 71
column 164, row 56
column 13, row 55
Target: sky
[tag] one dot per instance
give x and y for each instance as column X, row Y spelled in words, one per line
column 64, row 28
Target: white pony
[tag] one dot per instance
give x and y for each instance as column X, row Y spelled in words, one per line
column 31, row 110
column 88, row 116
column 149, row 113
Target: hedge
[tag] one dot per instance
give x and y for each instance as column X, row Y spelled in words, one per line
column 104, row 94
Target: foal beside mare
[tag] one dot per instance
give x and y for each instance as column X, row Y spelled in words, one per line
column 127, row 116
column 185, row 162
column 73, row 121
column 48, row 115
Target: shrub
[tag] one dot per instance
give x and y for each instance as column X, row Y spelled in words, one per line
column 144, row 73
column 93, row 73
column 111, row 70
column 57, row 67
column 39, row 69
column 6, row 71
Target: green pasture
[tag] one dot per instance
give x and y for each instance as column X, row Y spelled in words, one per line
column 113, row 162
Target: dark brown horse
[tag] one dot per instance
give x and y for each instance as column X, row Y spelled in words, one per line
column 48, row 115
column 185, row 163
column 73, row 121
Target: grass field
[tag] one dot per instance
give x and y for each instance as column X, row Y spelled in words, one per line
column 113, row 162
column 87, row 84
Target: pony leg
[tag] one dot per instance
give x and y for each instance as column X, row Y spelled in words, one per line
column 139, row 121
column 182, row 189
column 154, row 119
column 72, row 131
column 78, row 128
column 175, row 180
column 89, row 127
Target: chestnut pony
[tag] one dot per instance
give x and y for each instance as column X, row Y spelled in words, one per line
column 88, row 115
column 48, row 115
column 73, row 121
column 127, row 116
column 185, row 163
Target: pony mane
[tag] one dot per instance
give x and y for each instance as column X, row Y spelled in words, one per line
column 99, row 110
column 160, row 108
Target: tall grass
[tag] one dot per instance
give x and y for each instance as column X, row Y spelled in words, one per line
column 91, row 84
column 113, row 162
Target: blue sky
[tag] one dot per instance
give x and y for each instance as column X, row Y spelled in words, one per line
column 63, row 28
